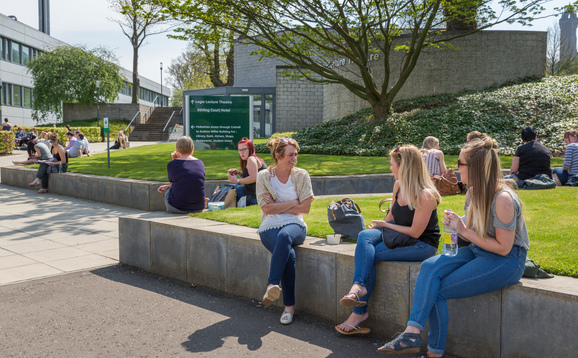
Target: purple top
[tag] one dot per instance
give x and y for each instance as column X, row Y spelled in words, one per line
column 188, row 184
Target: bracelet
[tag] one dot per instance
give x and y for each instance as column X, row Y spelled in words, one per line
column 238, row 180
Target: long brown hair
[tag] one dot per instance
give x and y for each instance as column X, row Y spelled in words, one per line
column 484, row 181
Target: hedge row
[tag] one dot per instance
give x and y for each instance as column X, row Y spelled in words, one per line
column 91, row 133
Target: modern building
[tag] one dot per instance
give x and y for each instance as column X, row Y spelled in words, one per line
column 19, row 43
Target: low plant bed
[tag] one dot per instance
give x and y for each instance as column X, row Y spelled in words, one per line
column 550, row 217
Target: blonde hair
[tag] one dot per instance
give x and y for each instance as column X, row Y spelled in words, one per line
column 413, row 175
column 571, row 133
column 185, row 145
column 430, row 143
column 278, row 146
column 53, row 136
column 484, row 181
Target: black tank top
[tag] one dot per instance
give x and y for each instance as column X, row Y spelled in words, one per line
column 403, row 216
column 249, row 189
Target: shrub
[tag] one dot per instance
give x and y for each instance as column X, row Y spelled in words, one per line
column 6, row 142
column 549, row 105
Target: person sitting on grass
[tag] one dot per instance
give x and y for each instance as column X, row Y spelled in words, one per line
column 41, row 152
column 186, row 191
column 18, row 137
column 78, row 147
column 570, row 166
column 7, row 125
column 71, row 140
column 531, row 159
column 59, row 163
column 86, row 150
column 495, row 225
column 433, row 156
column 412, row 222
column 251, row 165
column 120, row 142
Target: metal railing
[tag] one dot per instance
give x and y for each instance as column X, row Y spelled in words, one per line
column 166, row 134
column 127, row 127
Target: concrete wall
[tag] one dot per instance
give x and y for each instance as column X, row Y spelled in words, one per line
column 299, row 102
column 249, row 71
column 74, row 111
column 531, row 319
column 142, row 194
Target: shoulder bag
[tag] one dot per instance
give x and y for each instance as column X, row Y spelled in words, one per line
column 345, row 218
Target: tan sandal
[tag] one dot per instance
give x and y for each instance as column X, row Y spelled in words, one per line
column 42, row 191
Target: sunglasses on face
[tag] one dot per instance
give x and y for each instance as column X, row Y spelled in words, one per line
column 460, row 163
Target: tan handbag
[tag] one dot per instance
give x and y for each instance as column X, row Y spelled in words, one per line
column 447, row 183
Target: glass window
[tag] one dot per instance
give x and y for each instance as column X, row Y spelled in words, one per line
column 27, row 97
column 2, row 55
column 7, row 94
column 25, row 55
column 17, row 95
column 7, row 50
column 15, row 52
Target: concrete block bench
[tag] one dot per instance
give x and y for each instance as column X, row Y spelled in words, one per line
column 534, row 318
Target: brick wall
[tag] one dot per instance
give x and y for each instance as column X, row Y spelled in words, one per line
column 250, row 72
column 73, row 111
column 299, row 102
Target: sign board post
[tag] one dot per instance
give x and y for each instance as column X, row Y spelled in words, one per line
column 105, row 128
column 215, row 122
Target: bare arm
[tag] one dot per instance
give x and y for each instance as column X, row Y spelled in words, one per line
column 272, row 208
column 421, row 217
column 515, row 165
column 504, row 238
column 163, row 188
column 440, row 156
column 302, row 208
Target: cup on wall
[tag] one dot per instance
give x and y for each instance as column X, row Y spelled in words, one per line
column 334, row 239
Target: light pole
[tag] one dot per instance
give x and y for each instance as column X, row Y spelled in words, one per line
column 98, row 104
column 162, row 84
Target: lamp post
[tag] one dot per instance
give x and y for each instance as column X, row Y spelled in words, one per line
column 98, row 104
column 162, row 84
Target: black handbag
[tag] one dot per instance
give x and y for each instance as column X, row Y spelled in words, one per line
column 345, row 218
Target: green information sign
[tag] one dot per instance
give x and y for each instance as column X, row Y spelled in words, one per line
column 105, row 124
column 219, row 122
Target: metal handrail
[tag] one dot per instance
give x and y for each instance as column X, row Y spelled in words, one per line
column 154, row 100
column 169, row 121
column 133, row 118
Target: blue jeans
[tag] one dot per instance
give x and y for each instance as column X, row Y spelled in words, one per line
column 473, row 271
column 520, row 182
column 251, row 199
column 280, row 243
column 562, row 174
column 370, row 250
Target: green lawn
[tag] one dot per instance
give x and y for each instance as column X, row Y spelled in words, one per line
column 550, row 217
column 149, row 163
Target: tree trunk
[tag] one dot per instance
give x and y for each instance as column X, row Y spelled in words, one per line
column 381, row 109
column 135, row 77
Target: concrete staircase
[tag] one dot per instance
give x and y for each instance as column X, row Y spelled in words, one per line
column 152, row 130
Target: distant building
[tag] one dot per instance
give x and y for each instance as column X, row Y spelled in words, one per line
column 568, row 24
column 19, row 43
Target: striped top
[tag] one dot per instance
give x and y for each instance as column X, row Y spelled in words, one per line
column 431, row 162
column 571, row 159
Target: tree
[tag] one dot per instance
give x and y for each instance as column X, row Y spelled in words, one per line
column 313, row 34
column 555, row 63
column 186, row 72
column 68, row 74
column 139, row 19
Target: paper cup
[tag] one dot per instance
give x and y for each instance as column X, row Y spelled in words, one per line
column 334, row 239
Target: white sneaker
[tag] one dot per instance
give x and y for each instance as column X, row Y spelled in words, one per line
column 556, row 179
column 286, row 317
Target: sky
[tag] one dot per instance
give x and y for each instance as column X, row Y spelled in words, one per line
column 83, row 22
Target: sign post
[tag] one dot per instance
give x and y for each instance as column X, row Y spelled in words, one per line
column 105, row 127
column 215, row 122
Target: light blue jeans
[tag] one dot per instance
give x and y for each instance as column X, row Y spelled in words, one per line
column 280, row 243
column 473, row 271
column 370, row 250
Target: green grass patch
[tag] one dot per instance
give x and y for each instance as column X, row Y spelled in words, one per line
column 150, row 163
column 550, row 218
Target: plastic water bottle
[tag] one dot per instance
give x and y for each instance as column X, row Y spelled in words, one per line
column 450, row 241
column 60, row 168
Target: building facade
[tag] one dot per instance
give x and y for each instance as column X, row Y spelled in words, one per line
column 19, row 43
column 482, row 60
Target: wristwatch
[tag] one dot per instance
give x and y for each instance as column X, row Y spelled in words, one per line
column 238, row 180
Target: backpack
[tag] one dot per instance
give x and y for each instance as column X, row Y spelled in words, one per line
column 221, row 192
column 345, row 218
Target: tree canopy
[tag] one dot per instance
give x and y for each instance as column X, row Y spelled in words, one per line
column 68, row 74
column 313, row 34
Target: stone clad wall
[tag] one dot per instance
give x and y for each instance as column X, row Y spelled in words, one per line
column 485, row 59
column 299, row 102
column 73, row 111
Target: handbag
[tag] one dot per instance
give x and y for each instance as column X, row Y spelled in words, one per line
column 543, row 182
column 447, row 183
column 392, row 238
column 345, row 218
